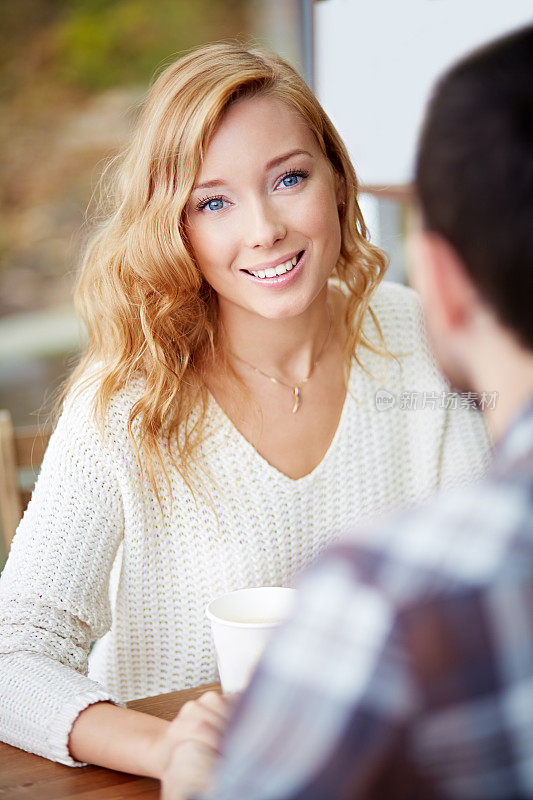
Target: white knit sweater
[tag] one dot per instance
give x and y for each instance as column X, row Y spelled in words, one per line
column 90, row 510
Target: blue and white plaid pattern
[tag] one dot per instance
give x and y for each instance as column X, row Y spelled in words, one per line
column 407, row 669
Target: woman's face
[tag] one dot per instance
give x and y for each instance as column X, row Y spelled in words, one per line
column 263, row 218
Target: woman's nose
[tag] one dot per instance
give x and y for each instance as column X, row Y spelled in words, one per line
column 264, row 226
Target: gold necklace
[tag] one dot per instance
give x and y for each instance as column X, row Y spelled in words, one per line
column 296, row 389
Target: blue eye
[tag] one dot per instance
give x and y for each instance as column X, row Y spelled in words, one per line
column 215, row 205
column 292, row 178
column 211, row 203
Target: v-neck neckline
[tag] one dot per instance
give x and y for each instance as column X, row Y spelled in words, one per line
column 278, row 474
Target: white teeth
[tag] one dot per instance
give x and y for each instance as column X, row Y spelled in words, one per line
column 271, row 272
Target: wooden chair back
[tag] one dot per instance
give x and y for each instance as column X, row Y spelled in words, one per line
column 21, row 454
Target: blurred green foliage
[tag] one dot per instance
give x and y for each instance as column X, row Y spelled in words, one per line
column 92, row 45
column 101, row 44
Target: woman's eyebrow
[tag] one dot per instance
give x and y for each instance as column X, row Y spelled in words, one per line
column 279, row 159
column 274, row 162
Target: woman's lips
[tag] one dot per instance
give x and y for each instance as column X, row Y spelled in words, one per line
column 279, row 280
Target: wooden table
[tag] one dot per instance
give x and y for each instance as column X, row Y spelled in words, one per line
column 24, row 776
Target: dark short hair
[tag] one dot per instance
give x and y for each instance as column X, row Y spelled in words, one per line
column 474, row 173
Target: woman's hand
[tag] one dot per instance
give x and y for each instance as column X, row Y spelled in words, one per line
column 191, row 745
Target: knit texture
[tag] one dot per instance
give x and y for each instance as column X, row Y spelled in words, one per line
column 96, row 557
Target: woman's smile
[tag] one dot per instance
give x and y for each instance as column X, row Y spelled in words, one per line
column 280, row 275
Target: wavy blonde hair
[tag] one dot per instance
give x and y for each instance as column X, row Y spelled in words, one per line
column 147, row 309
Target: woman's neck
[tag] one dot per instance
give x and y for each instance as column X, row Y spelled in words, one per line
column 283, row 348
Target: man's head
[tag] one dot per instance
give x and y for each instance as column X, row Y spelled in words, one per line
column 474, row 180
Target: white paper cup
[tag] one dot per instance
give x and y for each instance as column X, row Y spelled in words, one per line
column 241, row 624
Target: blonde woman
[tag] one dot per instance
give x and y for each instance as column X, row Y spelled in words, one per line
column 222, row 427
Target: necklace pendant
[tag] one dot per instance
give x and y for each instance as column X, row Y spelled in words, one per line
column 297, row 399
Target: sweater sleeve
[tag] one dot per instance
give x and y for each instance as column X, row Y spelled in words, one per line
column 54, row 590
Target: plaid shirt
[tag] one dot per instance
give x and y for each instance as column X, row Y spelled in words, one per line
column 407, row 669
